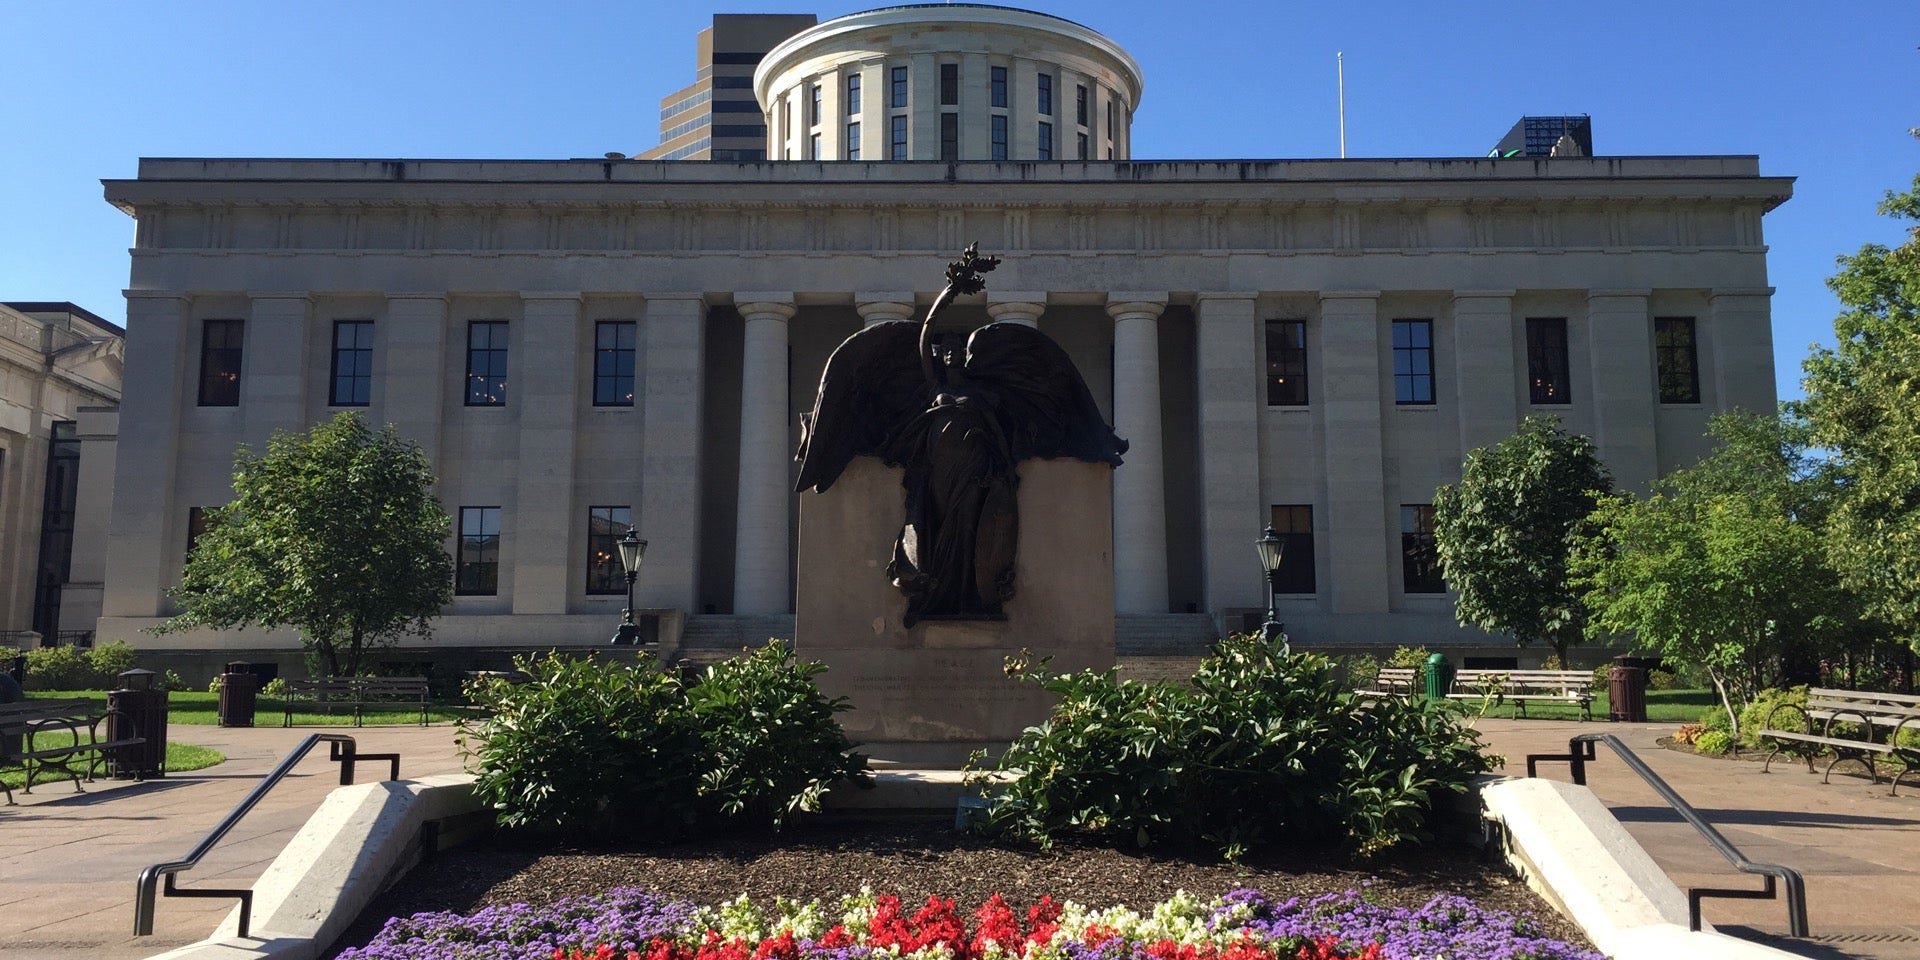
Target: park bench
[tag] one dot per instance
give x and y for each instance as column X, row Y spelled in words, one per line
column 1395, row 682
column 1521, row 687
column 324, row 694
column 1852, row 724
column 61, row 734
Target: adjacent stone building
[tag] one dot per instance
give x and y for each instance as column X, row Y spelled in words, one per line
column 581, row 345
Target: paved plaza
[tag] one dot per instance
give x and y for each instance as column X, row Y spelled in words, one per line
column 68, row 862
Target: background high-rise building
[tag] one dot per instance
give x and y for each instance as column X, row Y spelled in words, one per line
column 716, row 117
column 1535, row 136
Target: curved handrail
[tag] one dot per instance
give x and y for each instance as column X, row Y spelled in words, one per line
column 1580, row 750
column 342, row 750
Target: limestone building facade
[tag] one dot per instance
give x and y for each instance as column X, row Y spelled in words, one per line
column 580, row 345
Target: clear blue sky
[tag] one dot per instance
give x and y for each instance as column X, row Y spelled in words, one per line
column 1821, row 92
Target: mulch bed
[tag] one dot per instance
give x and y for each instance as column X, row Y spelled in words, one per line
column 916, row 857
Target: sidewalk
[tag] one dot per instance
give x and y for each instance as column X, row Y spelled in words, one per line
column 1857, row 847
column 68, row 862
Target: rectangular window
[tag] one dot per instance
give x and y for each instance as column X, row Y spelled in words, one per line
column 220, row 363
column 487, row 363
column 1286, row 363
column 1547, row 376
column 999, row 137
column 853, row 94
column 899, row 85
column 1081, row 146
column 1109, row 118
column 1679, row 364
column 477, row 571
column 196, row 525
column 949, row 84
column 1413, row 361
column 1419, row 558
column 1046, row 140
column 605, row 526
column 1294, row 524
column 949, row 136
column 853, row 140
column 813, row 147
column 997, row 86
column 352, row 370
column 813, row 106
column 1080, row 105
column 1044, row 92
column 897, row 144
column 613, row 363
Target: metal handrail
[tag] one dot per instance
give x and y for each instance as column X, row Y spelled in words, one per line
column 1580, row 750
column 341, row 749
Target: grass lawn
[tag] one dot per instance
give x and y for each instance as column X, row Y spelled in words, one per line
column 201, row 708
column 1663, row 706
column 181, row 757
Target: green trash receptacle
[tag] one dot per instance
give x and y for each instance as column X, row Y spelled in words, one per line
column 1439, row 673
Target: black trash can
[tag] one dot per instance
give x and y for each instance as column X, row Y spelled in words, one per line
column 239, row 695
column 138, row 709
column 1626, row 691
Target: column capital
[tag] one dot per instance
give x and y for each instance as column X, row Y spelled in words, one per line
column 280, row 295
column 896, row 306
column 766, row 309
column 1719, row 292
column 1483, row 294
column 1131, row 306
column 1021, row 308
column 1630, row 293
column 743, row 297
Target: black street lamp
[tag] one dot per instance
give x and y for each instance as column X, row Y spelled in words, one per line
column 1271, row 548
column 632, row 551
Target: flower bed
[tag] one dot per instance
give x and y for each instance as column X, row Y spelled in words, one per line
column 629, row 924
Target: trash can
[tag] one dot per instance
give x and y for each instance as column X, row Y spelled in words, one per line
column 1626, row 690
column 1439, row 676
column 138, row 709
column 239, row 693
column 17, row 669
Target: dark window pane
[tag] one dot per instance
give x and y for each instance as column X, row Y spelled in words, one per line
column 853, row 141
column 997, row 86
column 1413, row 361
column 1419, row 558
column 1046, row 140
column 613, row 363
column 1679, row 370
column 999, row 151
column 1547, row 374
column 487, row 363
column 899, row 97
column 1294, row 524
column 897, row 149
column 220, row 363
column 853, row 95
column 814, row 97
column 1045, row 93
column 1082, row 146
column 477, row 570
column 605, row 527
column 196, row 525
column 949, row 84
column 352, row 381
column 1286, row 363
column 1080, row 105
column 949, row 136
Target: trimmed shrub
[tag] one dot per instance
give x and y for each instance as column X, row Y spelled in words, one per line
column 60, row 668
column 1362, row 670
column 109, row 661
column 1714, row 743
column 1715, row 718
column 1415, row 657
column 1263, row 747
column 1753, row 716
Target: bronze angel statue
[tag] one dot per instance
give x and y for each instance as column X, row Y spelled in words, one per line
column 959, row 419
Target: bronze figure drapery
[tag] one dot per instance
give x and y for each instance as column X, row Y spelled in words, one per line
column 959, row 419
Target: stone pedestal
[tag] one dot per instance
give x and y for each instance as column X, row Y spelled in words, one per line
column 929, row 695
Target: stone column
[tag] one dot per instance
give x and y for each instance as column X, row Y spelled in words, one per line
column 158, row 383
column 882, row 307
column 1139, row 494
column 545, row 521
column 1231, row 509
column 762, row 552
column 1359, row 559
column 1489, row 398
column 1742, row 346
column 273, row 394
column 1022, row 308
column 672, row 370
column 413, row 371
column 1620, row 348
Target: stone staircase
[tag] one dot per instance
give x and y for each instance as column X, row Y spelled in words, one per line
column 711, row 637
column 1165, row 646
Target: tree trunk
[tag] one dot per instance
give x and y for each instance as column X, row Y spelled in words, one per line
column 1726, row 702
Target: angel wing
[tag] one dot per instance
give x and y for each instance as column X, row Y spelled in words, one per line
column 1048, row 410
column 872, row 383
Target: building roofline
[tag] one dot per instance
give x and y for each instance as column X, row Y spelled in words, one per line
column 64, row 306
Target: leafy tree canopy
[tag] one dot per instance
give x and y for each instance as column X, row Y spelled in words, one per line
column 335, row 532
column 1505, row 532
column 1863, row 401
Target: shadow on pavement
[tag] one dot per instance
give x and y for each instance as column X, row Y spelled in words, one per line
column 1777, row 818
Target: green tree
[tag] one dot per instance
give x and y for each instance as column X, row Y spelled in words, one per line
column 1722, row 565
column 335, row 532
column 1505, row 532
column 1863, row 401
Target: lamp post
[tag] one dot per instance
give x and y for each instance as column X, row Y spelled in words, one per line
column 632, row 551
column 1271, row 548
